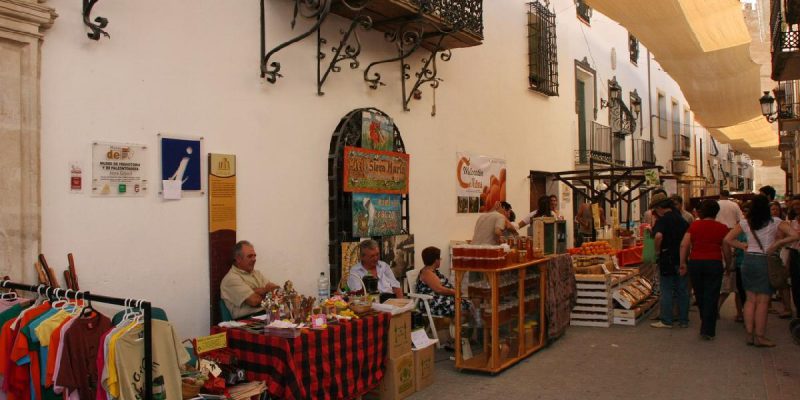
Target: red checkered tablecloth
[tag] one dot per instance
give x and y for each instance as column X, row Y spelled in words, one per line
column 341, row 362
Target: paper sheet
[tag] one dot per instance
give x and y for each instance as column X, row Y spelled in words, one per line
column 172, row 189
column 420, row 339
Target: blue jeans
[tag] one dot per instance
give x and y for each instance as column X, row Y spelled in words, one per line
column 674, row 285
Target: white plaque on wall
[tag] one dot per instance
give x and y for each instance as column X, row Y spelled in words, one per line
column 119, row 169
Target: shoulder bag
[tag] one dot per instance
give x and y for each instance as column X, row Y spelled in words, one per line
column 778, row 275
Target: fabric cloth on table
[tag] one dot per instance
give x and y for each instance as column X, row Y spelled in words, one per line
column 560, row 294
column 343, row 361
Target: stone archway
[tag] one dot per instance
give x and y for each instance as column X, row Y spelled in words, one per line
column 21, row 24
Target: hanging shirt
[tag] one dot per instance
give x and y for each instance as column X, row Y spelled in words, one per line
column 100, row 362
column 34, row 354
column 113, row 376
column 54, row 349
column 19, row 366
column 168, row 355
column 80, row 344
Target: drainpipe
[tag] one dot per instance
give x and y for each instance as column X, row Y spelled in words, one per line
column 650, row 102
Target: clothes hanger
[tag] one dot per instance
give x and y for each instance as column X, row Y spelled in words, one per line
column 88, row 309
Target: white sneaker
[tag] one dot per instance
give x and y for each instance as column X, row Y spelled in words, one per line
column 660, row 324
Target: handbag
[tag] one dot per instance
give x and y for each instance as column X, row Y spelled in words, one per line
column 777, row 273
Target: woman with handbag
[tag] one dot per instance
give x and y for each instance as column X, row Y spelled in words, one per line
column 762, row 249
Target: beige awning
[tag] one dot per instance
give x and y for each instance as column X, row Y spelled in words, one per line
column 705, row 47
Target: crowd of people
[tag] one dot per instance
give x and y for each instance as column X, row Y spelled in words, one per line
column 725, row 247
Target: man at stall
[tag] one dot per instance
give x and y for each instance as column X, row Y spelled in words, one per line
column 371, row 265
column 669, row 230
column 490, row 226
column 243, row 288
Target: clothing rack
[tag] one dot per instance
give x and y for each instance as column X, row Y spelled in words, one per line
column 85, row 295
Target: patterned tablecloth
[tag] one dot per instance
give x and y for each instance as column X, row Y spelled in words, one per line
column 341, row 362
column 561, row 291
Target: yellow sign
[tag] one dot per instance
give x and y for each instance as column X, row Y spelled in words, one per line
column 222, row 192
column 205, row 344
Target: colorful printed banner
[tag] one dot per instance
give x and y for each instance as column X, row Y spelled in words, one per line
column 118, row 169
column 374, row 171
column 377, row 132
column 376, row 214
column 480, row 182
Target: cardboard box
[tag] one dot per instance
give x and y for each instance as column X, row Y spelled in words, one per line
column 399, row 340
column 398, row 381
column 424, row 366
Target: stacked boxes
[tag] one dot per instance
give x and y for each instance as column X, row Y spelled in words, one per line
column 398, row 381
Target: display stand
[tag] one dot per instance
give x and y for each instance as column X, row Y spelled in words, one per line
column 145, row 306
column 512, row 307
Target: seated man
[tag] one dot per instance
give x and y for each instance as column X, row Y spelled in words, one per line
column 243, row 288
column 371, row 265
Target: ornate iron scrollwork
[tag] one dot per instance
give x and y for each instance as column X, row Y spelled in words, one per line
column 427, row 73
column 408, row 38
column 98, row 24
column 344, row 51
column 314, row 9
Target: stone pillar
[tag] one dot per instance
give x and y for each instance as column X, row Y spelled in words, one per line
column 21, row 24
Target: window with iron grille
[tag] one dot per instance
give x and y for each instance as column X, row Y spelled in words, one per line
column 542, row 56
column 633, row 48
column 583, row 11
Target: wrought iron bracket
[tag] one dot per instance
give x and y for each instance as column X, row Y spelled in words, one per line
column 346, row 50
column 98, row 24
column 408, row 38
column 309, row 9
column 427, row 73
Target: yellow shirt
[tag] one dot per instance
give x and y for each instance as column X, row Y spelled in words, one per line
column 113, row 378
column 46, row 328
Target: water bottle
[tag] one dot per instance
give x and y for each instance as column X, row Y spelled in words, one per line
column 324, row 287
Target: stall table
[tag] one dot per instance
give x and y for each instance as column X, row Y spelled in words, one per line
column 343, row 361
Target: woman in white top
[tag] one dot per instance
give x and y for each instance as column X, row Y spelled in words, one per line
column 761, row 227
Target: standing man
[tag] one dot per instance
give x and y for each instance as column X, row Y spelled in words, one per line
column 243, row 288
column 729, row 212
column 490, row 226
column 371, row 264
column 677, row 200
column 669, row 230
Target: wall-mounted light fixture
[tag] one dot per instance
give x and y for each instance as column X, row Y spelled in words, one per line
column 614, row 93
column 768, row 107
column 636, row 104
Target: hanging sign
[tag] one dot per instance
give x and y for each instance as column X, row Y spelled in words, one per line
column 480, row 182
column 374, row 171
column 118, row 169
column 181, row 163
column 376, row 214
column 221, row 222
column 377, row 131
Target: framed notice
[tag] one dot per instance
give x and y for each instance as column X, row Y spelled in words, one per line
column 376, row 214
column 480, row 182
column 181, row 161
column 374, row 171
column 119, row 169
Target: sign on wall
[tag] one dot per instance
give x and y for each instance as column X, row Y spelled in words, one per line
column 221, row 222
column 118, row 169
column 376, row 214
column 480, row 182
column 181, row 162
column 377, row 131
column 374, row 171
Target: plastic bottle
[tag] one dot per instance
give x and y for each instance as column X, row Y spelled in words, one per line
column 324, row 287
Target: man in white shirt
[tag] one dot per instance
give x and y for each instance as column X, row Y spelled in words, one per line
column 371, row 264
column 729, row 212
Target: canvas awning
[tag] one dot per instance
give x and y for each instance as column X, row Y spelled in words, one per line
column 705, row 47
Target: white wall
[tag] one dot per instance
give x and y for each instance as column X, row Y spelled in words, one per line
column 191, row 68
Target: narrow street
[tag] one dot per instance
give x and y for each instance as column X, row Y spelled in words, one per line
column 639, row 363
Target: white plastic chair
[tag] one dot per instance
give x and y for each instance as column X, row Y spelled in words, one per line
column 412, row 276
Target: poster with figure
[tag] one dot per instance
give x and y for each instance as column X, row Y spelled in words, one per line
column 480, row 182
column 376, row 214
column 119, row 170
column 181, row 161
column 377, row 132
column 350, row 257
column 398, row 252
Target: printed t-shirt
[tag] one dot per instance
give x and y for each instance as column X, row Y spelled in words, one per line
column 168, row 355
column 706, row 238
column 81, row 343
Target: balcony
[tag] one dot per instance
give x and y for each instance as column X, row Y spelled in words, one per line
column 682, row 149
column 788, row 102
column 785, row 45
column 786, row 141
column 600, row 146
column 643, row 154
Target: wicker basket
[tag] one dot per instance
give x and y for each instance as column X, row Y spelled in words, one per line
column 190, row 389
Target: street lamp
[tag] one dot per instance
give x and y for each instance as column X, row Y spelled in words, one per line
column 768, row 107
column 614, row 93
column 636, row 104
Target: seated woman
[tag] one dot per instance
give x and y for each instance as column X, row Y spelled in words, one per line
column 432, row 282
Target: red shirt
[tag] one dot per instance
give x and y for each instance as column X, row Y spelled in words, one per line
column 706, row 238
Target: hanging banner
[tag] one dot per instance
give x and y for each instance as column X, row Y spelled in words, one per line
column 376, row 214
column 118, row 169
column 221, row 222
column 373, row 171
column 377, row 132
column 480, row 182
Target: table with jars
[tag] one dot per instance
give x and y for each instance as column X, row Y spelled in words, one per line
column 506, row 284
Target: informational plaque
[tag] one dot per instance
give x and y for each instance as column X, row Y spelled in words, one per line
column 221, row 222
column 119, row 169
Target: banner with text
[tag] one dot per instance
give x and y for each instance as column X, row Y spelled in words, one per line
column 480, row 182
column 374, row 171
column 119, row 169
column 376, row 214
column 221, row 222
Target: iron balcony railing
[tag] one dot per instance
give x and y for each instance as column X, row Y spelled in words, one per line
column 600, row 142
column 643, row 154
column 683, row 146
column 618, row 153
column 786, row 141
column 787, row 99
column 785, row 45
column 464, row 14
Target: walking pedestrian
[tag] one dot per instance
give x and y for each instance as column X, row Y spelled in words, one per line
column 669, row 230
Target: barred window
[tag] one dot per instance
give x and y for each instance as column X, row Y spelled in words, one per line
column 542, row 56
column 583, row 11
column 633, row 48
